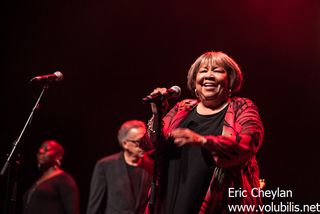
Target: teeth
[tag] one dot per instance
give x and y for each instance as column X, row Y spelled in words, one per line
column 208, row 84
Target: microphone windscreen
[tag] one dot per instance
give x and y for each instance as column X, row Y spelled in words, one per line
column 177, row 91
column 59, row 75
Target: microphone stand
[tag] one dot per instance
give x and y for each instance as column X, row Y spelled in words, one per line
column 15, row 144
column 157, row 127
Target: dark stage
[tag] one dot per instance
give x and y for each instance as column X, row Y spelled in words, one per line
column 113, row 53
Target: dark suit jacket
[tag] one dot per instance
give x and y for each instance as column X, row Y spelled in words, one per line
column 110, row 190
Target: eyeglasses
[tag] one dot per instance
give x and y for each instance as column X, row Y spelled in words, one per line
column 137, row 142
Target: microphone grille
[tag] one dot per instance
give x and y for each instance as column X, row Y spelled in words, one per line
column 177, row 90
column 59, row 75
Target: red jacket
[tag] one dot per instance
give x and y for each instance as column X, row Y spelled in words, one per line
column 234, row 152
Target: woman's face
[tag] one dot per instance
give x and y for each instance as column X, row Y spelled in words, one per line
column 47, row 155
column 212, row 83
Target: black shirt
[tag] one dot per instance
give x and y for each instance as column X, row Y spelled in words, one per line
column 135, row 174
column 190, row 168
column 56, row 195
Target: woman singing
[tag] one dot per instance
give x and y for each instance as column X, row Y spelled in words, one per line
column 211, row 142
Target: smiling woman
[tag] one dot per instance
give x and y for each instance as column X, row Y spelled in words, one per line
column 211, row 141
column 219, row 62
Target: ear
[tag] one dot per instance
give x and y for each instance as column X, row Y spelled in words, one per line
column 58, row 158
column 124, row 144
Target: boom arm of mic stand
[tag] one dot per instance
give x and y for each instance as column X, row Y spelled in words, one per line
column 11, row 196
column 28, row 122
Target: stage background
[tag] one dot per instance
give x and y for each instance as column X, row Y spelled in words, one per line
column 113, row 53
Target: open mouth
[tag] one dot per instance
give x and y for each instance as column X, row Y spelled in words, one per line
column 209, row 85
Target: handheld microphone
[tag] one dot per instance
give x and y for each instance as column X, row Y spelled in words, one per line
column 56, row 76
column 174, row 91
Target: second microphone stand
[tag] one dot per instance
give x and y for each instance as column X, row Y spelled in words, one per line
column 10, row 206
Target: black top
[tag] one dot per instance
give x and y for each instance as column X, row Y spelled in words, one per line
column 190, row 168
column 112, row 184
column 134, row 174
column 57, row 195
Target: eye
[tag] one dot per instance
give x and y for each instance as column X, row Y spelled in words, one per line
column 202, row 71
column 219, row 71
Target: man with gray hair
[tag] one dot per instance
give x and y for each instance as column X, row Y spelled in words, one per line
column 120, row 182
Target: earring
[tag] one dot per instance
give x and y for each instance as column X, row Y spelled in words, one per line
column 196, row 93
column 230, row 93
column 58, row 163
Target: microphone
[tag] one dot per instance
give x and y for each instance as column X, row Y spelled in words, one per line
column 174, row 91
column 56, row 76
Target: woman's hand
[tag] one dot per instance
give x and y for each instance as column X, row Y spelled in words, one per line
column 182, row 136
column 164, row 104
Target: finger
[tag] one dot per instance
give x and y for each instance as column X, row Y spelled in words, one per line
column 178, row 131
column 181, row 132
column 180, row 142
column 153, row 106
column 188, row 136
column 159, row 91
column 163, row 90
